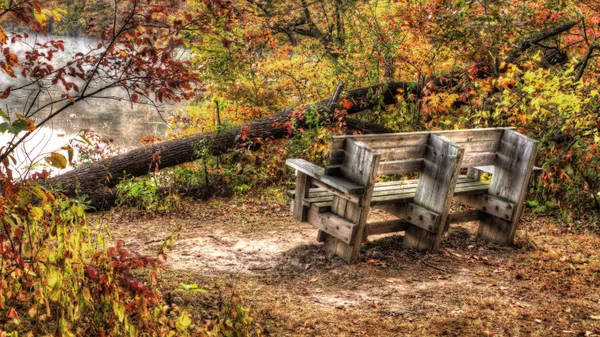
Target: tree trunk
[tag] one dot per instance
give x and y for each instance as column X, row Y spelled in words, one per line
column 96, row 180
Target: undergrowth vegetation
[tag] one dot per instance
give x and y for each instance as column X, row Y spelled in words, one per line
column 61, row 277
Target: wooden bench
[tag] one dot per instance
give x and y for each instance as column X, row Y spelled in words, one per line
column 346, row 188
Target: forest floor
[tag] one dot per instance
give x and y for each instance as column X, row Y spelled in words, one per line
column 254, row 251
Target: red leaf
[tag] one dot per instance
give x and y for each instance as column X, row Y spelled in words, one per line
column 134, row 98
column 244, row 136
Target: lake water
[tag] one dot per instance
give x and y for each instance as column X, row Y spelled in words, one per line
column 117, row 120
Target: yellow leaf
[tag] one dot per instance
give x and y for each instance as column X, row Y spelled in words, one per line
column 183, row 322
column 40, row 16
column 57, row 160
column 36, row 213
column 32, row 312
column 86, row 295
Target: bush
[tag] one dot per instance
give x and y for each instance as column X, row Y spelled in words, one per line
column 59, row 278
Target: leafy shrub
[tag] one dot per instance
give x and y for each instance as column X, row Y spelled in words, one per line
column 59, row 278
column 142, row 194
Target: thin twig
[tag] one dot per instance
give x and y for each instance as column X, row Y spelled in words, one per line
column 432, row 266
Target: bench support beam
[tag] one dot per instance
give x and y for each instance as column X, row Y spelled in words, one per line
column 512, row 172
column 435, row 192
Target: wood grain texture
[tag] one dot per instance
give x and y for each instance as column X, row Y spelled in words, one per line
column 318, row 173
column 435, row 190
column 360, row 166
column 490, row 204
column 333, row 225
column 512, row 172
column 421, row 138
column 302, row 189
column 423, row 217
column 384, row 227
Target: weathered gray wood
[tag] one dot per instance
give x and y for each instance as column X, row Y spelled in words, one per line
column 512, row 172
column 302, row 189
column 420, row 138
column 423, row 218
column 333, row 225
column 435, row 190
column 400, row 199
column 479, row 159
column 438, row 157
column 360, row 166
column 317, row 173
column 399, row 152
column 382, row 186
column 487, row 169
column 384, row 227
column 463, row 216
column 490, row 204
column 400, row 166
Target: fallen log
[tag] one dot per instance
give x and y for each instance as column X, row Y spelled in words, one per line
column 95, row 180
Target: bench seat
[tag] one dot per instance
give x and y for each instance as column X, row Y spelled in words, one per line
column 392, row 192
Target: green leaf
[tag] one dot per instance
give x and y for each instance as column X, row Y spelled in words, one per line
column 3, row 114
column 87, row 141
column 57, row 160
column 17, row 126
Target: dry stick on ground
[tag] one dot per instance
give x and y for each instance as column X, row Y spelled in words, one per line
column 97, row 179
column 432, row 266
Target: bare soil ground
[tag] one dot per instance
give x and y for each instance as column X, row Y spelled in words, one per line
column 254, row 250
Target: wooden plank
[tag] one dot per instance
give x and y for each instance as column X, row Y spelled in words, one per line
column 333, row 225
column 436, row 189
column 324, row 202
column 490, row 169
column 384, row 227
column 421, row 138
column 381, row 186
column 400, row 166
column 336, row 156
column 348, row 196
column 514, row 165
column 302, row 189
column 423, row 218
column 317, row 173
column 487, row 169
column 480, row 145
column 490, row 204
column 360, row 166
column 463, row 216
column 400, row 152
column 479, row 159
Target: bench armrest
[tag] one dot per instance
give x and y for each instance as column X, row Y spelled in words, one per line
column 318, row 173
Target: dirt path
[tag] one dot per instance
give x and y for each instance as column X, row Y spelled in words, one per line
column 549, row 287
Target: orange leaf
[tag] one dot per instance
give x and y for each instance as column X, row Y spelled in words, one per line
column 346, row 104
column 12, row 313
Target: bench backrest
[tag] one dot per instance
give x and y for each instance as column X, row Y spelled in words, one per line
column 403, row 153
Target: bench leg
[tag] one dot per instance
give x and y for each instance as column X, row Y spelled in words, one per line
column 512, row 172
column 434, row 194
column 354, row 213
column 303, row 182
